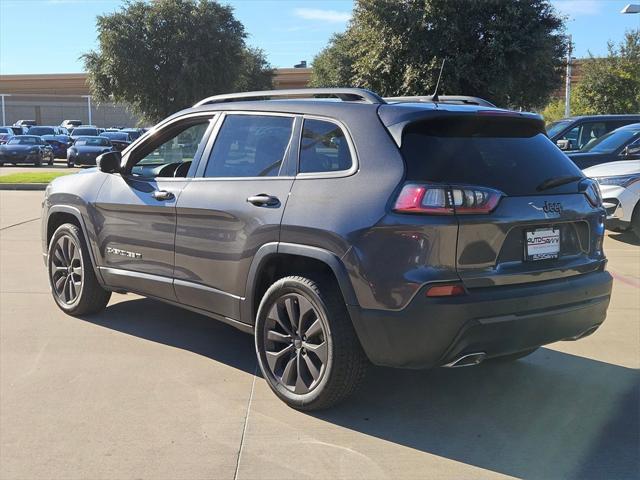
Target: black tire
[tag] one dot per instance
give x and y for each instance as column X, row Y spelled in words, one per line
column 512, row 357
column 50, row 160
column 635, row 221
column 80, row 293
column 38, row 161
column 345, row 364
column 70, row 164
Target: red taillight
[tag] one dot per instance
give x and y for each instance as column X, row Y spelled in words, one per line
column 423, row 199
column 446, row 200
column 448, row 290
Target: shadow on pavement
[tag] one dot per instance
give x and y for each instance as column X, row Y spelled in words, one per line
column 625, row 237
column 551, row 415
column 180, row 328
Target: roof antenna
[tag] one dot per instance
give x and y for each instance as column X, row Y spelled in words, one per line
column 434, row 97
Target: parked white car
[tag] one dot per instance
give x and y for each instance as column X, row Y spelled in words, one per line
column 620, row 186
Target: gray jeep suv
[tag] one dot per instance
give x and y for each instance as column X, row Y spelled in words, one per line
column 341, row 232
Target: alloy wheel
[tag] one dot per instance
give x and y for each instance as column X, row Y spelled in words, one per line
column 66, row 269
column 296, row 346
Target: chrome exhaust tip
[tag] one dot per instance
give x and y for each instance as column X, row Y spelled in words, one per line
column 586, row 333
column 467, row 360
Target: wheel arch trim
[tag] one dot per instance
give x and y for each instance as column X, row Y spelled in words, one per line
column 268, row 250
column 83, row 227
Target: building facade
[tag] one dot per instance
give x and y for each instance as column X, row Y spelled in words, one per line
column 51, row 98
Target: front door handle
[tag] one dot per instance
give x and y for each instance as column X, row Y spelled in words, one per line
column 163, row 195
column 264, row 200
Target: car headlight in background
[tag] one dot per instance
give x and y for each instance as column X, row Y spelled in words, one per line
column 619, row 180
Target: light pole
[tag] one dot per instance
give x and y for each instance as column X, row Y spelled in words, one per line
column 567, row 85
column 631, row 8
column 88, row 97
column 4, row 117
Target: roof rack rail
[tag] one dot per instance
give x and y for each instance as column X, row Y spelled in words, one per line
column 344, row 94
column 453, row 99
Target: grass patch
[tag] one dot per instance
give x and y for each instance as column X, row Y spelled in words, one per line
column 31, row 177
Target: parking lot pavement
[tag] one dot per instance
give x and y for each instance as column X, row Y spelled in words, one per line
column 145, row 390
column 58, row 165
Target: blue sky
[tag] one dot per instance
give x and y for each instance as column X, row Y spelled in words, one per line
column 48, row 36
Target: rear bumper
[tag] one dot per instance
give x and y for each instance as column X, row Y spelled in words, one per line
column 498, row 321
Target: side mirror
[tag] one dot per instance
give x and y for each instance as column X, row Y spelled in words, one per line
column 109, row 162
column 630, row 151
column 564, row 144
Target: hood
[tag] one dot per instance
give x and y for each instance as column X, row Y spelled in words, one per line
column 624, row 167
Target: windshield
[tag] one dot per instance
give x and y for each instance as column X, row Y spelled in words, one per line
column 610, row 142
column 556, row 127
column 85, row 131
column 134, row 134
column 23, row 141
column 42, row 131
column 93, row 142
column 116, row 136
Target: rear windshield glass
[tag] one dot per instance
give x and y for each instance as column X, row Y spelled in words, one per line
column 42, row 131
column 93, row 142
column 508, row 154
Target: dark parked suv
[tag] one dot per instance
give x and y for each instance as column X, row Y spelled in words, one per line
column 341, row 233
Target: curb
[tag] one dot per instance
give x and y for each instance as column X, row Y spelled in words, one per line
column 22, row 186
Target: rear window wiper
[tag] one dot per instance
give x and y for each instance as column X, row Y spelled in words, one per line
column 557, row 181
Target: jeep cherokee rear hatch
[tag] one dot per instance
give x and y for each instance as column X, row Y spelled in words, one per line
column 525, row 211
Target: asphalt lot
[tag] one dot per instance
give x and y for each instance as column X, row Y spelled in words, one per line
column 149, row 391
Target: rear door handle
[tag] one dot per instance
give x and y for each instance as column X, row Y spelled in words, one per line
column 264, row 200
column 163, row 195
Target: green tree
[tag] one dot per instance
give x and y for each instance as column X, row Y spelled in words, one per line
column 508, row 52
column 607, row 85
column 333, row 66
column 162, row 56
column 611, row 84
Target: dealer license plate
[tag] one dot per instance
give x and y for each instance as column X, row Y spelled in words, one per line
column 542, row 244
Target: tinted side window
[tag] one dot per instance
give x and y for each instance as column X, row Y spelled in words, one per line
column 324, row 148
column 170, row 155
column 250, row 146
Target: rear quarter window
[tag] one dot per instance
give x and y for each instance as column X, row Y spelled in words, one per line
column 324, row 148
column 511, row 155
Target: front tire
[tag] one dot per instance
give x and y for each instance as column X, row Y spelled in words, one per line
column 307, row 349
column 74, row 286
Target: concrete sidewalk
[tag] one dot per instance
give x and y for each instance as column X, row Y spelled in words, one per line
column 145, row 390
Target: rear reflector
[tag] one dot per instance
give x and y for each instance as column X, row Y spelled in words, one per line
column 450, row 290
column 446, row 200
